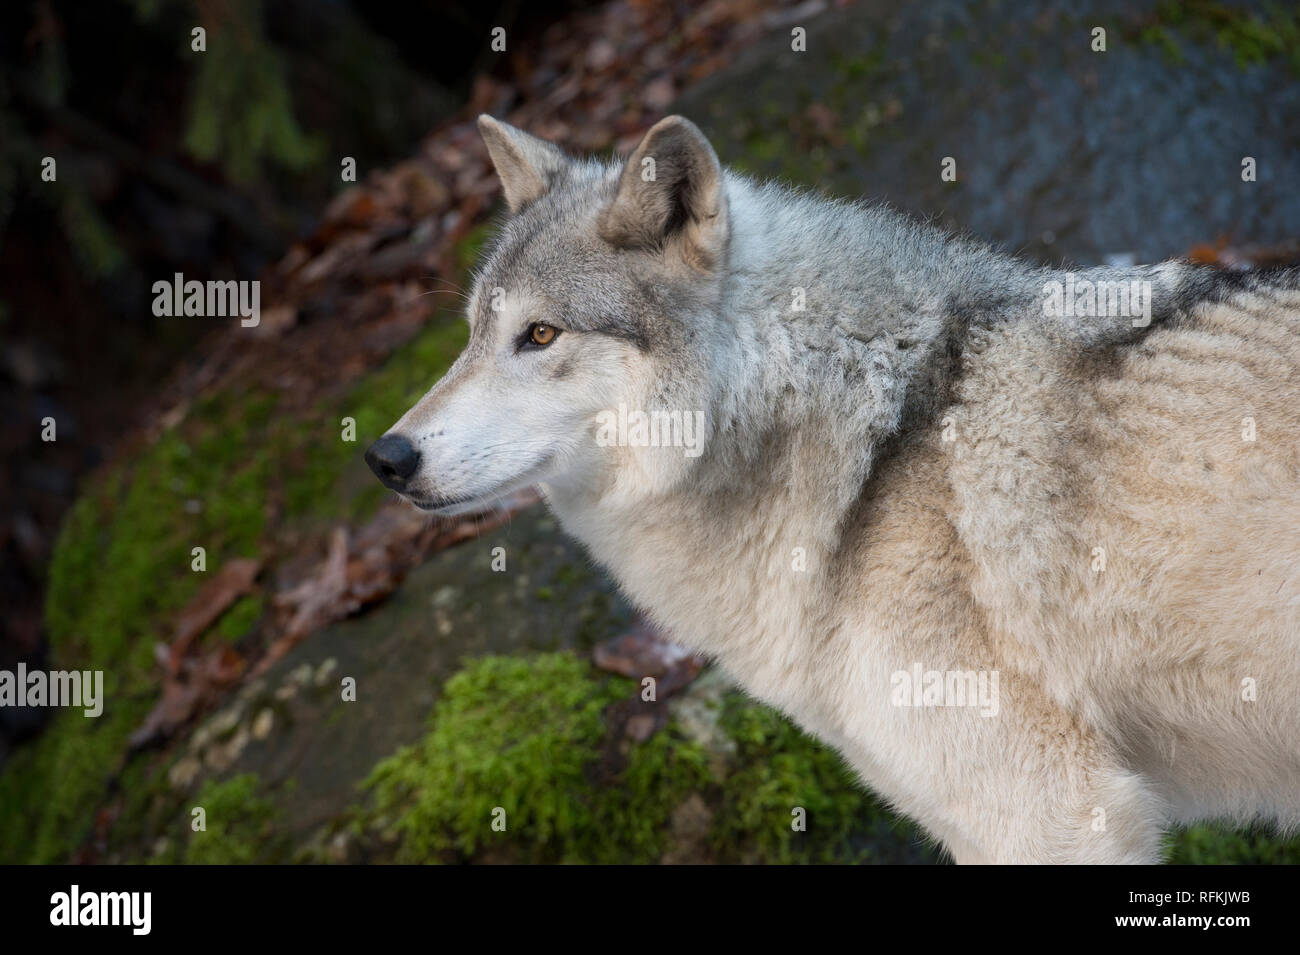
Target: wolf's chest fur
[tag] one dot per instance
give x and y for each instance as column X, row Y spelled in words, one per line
column 1060, row 523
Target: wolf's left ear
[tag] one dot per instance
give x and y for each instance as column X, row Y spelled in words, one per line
column 671, row 187
column 527, row 165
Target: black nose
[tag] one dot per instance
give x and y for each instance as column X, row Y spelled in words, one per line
column 393, row 459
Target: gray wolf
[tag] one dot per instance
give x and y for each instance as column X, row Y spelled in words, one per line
column 1028, row 557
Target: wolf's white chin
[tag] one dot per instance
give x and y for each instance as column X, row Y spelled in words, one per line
column 478, row 503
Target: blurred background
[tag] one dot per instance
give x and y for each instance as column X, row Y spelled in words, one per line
column 478, row 684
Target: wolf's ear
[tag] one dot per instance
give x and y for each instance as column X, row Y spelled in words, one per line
column 671, row 185
column 527, row 165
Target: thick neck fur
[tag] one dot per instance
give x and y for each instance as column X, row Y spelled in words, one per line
column 837, row 326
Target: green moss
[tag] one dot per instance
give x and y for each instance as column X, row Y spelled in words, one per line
column 387, row 394
column 49, row 790
column 122, row 561
column 240, row 619
column 240, row 109
column 240, row 825
column 119, row 572
column 91, row 237
column 990, row 59
column 1254, row 37
column 637, row 807
column 321, row 462
column 525, row 735
column 859, row 66
column 528, row 735
column 778, row 769
column 76, row 558
column 1217, row 845
column 150, row 806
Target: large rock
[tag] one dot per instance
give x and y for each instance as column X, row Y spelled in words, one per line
column 1059, row 151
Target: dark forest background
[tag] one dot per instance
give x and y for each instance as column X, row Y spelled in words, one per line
column 171, row 161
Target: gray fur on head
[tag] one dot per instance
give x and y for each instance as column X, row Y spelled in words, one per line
column 815, row 313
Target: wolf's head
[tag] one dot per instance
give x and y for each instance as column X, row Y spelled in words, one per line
column 598, row 303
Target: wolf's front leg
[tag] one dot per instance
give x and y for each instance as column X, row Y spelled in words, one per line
column 1114, row 820
column 1060, row 811
column 1031, row 784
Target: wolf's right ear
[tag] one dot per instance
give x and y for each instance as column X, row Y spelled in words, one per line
column 670, row 189
column 527, row 165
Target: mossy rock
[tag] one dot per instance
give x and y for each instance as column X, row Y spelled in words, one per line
column 453, row 608
column 506, row 769
column 1224, row 845
column 239, row 825
column 522, row 741
column 121, row 566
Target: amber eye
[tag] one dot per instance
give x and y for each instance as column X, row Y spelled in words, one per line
column 542, row 334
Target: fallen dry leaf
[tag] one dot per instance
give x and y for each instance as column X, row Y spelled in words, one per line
column 232, row 581
column 644, row 651
column 357, row 574
column 200, row 682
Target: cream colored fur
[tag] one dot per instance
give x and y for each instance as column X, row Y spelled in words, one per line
column 1121, row 689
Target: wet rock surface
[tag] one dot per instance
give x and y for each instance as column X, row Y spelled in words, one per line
column 1061, row 152
column 293, row 725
